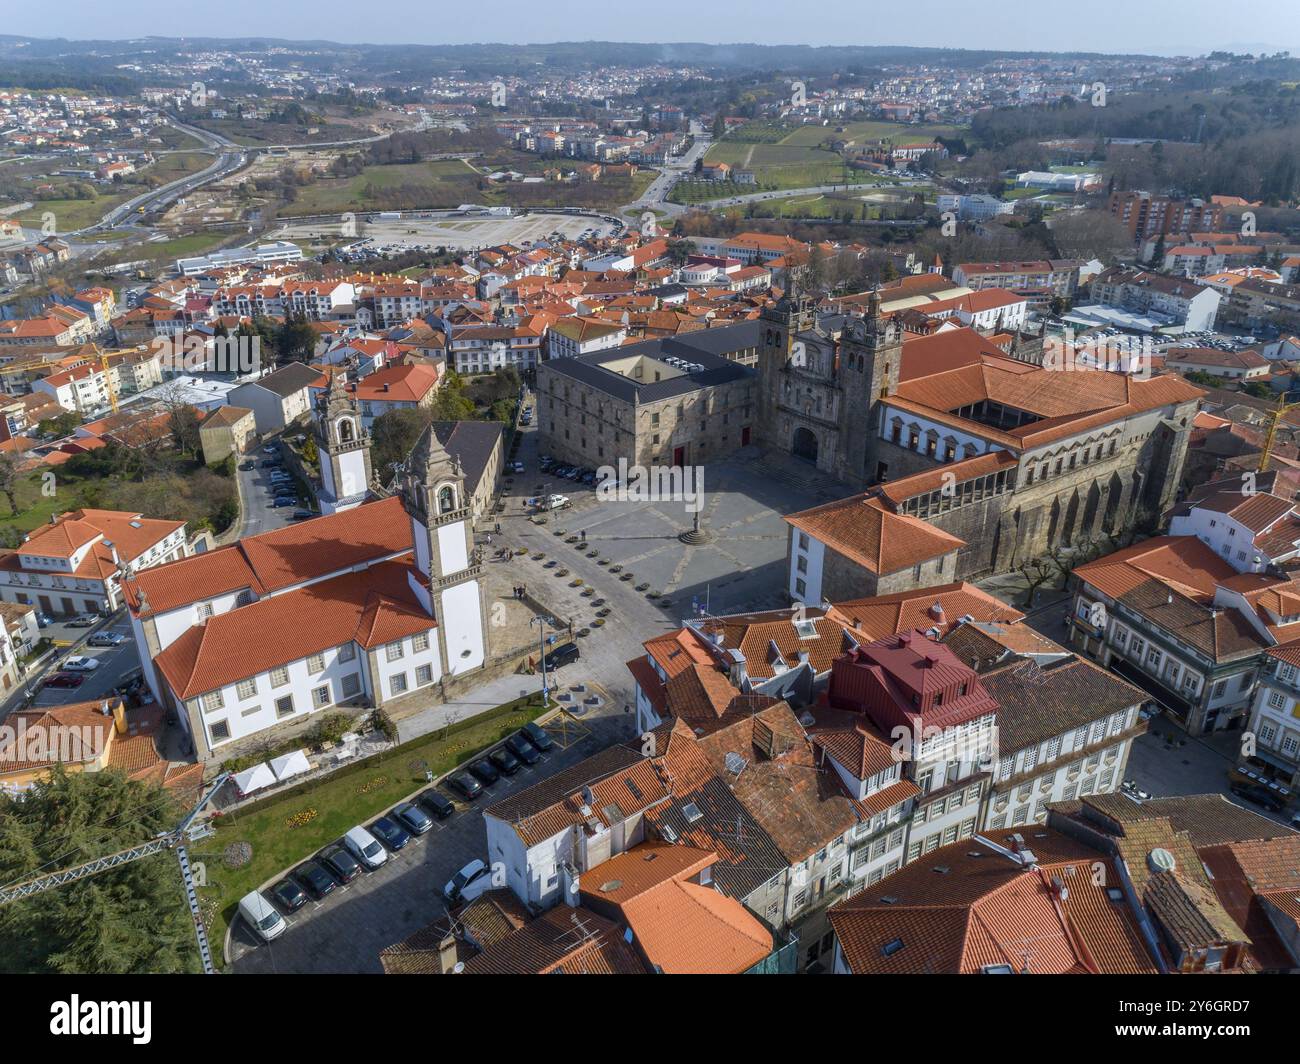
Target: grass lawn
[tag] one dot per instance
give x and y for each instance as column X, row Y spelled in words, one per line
column 34, row 506
column 449, row 180
column 353, row 795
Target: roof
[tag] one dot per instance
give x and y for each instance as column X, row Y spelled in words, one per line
column 275, row 560
column 130, row 534
column 286, row 381
column 574, row 941
column 864, row 530
column 472, row 443
column 1180, row 563
column 371, row 607
column 967, row 906
column 941, row 606
column 681, row 925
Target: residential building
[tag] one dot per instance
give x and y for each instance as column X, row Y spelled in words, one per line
column 278, row 398
column 226, row 430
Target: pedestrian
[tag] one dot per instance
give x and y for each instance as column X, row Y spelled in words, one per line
column 489, row 539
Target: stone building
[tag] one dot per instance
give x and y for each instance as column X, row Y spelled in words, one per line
column 675, row 401
column 1011, row 458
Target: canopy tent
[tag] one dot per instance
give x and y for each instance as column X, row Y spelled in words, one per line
column 255, row 778
column 294, row 764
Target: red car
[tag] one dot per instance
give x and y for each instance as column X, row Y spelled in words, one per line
column 64, row 679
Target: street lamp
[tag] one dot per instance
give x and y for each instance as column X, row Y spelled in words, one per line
column 541, row 646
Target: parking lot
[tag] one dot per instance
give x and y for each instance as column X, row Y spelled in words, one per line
column 257, row 492
column 455, row 231
column 346, row 931
column 113, row 663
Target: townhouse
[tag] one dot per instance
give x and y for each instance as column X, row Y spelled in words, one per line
column 280, row 397
column 487, row 348
column 397, row 387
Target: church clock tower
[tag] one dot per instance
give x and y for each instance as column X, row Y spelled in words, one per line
column 447, row 568
column 343, row 447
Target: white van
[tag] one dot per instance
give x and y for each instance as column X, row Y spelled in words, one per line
column 261, row 916
column 365, row 847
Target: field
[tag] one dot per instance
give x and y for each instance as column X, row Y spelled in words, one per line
column 452, row 232
column 796, row 159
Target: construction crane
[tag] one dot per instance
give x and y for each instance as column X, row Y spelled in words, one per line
column 108, row 380
column 1274, row 416
column 171, row 840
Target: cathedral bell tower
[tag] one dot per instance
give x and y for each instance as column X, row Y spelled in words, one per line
column 343, row 447
column 871, row 351
column 446, row 571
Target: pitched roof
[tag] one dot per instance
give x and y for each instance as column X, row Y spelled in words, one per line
column 863, row 529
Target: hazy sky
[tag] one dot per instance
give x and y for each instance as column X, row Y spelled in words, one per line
column 1165, row 27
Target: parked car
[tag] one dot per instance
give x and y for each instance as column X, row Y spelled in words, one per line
column 390, row 833
column 1261, row 796
column 465, row 785
column 484, row 771
column 365, row 847
column 505, row 761
column 412, row 818
column 437, row 803
column 523, row 749
column 282, row 501
column 341, row 863
column 302, row 515
column 83, row 620
column 516, row 467
column 43, row 620
column 289, row 895
column 268, row 463
column 106, row 639
column 261, row 916
column 64, row 679
column 562, row 655
column 535, row 734
column 468, row 883
column 81, row 663
column 318, row 879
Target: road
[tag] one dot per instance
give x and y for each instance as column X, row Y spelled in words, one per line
column 257, row 496
column 655, row 196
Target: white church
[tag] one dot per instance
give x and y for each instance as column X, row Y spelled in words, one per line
column 376, row 602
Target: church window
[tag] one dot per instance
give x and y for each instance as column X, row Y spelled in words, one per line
column 345, row 431
column 446, row 499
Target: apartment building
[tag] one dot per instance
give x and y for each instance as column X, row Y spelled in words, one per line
column 1146, row 215
column 1181, row 301
column 1044, row 277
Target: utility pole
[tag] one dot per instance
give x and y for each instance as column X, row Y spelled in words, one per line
column 541, row 648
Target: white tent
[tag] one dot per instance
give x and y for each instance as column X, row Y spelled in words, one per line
column 294, row 764
column 255, row 778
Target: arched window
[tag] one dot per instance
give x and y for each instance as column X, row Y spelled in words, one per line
column 345, row 431
column 446, row 499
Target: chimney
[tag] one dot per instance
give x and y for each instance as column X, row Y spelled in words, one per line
column 936, row 611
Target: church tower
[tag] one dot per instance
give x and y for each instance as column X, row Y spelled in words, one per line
column 447, row 569
column 871, row 351
column 343, row 447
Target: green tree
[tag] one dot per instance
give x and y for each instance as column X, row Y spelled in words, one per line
column 130, row 920
column 392, row 436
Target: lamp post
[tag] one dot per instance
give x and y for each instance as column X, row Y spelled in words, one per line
column 541, row 647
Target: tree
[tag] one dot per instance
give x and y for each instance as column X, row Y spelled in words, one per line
column 295, row 340
column 1037, row 572
column 393, row 435
column 9, row 476
column 130, row 920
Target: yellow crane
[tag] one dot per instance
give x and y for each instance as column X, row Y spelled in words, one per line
column 108, row 380
column 1274, row 416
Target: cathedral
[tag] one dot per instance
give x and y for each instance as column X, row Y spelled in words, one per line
column 1001, row 453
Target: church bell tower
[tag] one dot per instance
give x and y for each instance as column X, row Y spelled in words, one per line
column 447, row 568
column 343, row 447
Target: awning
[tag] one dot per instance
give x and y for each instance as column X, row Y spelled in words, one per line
column 255, row 778
column 294, row 764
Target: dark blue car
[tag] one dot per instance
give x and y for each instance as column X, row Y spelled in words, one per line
column 390, row 833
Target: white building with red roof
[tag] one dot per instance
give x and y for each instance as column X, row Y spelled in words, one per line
column 75, row 563
column 348, row 611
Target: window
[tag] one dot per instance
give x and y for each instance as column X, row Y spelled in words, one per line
column 316, row 663
column 279, row 676
column 397, row 683
column 218, row 730
column 423, row 675
column 214, row 700
column 351, row 684
column 347, row 652
column 1276, row 700
column 246, row 689
column 1290, row 745
column 419, row 642
column 320, row 697
column 800, row 588
column 284, row 706
column 394, row 651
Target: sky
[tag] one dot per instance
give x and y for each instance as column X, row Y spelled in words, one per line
column 1160, row 27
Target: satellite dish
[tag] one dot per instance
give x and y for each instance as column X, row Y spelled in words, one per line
column 1161, row 860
